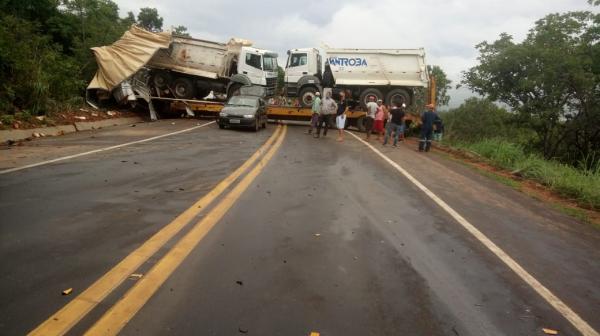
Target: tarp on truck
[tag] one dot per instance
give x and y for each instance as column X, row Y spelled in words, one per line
column 126, row 56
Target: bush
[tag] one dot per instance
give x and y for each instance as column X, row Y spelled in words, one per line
column 580, row 185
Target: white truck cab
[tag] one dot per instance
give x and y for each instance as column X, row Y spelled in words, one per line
column 303, row 72
column 259, row 66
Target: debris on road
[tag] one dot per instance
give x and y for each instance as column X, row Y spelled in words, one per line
column 241, row 283
column 67, row 291
column 317, row 235
column 80, row 117
column 549, row 331
column 136, row 276
column 111, row 113
column 242, row 330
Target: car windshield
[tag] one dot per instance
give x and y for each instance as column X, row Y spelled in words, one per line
column 243, row 101
column 269, row 63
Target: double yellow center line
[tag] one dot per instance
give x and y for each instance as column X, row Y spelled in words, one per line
column 118, row 316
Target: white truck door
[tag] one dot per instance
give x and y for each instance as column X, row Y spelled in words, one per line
column 251, row 66
column 296, row 67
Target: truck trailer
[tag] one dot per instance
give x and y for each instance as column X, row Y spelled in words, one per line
column 387, row 74
column 143, row 64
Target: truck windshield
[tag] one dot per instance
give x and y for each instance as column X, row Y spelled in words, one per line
column 269, row 63
column 243, row 101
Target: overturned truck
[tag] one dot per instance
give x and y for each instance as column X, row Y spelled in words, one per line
column 147, row 65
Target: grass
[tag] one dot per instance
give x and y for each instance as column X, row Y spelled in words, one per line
column 581, row 186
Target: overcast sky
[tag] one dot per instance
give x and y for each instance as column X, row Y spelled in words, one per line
column 447, row 29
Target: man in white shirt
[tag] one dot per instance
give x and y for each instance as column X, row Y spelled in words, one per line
column 370, row 118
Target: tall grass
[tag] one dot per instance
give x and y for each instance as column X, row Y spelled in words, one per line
column 580, row 185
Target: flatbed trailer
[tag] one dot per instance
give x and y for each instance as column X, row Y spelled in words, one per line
column 355, row 118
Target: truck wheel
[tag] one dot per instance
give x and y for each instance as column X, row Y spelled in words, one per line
column 161, row 79
column 397, row 96
column 366, row 94
column 307, row 96
column 183, row 88
column 360, row 124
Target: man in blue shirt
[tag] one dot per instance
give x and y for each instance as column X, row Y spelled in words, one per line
column 427, row 119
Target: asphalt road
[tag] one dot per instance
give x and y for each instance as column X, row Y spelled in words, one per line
column 319, row 237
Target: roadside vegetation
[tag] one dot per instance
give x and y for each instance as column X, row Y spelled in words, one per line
column 540, row 115
column 45, row 56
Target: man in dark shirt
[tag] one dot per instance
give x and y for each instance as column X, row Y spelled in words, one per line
column 427, row 119
column 396, row 125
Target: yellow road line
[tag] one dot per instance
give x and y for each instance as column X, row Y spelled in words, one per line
column 120, row 314
column 581, row 325
column 64, row 319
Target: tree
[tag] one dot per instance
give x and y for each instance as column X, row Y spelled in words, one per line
column 149, row 19
column 129, row 19
column 551, row 80
column 443, row 84
column 181, row 31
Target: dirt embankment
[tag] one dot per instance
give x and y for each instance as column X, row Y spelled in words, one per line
column 83, row 114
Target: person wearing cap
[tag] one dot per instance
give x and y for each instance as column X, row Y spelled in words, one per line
column 372, row 108
column 427, row 119
column 328, row 110
column 316, row 109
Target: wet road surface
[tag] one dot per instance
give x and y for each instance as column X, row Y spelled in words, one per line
column 326, row 238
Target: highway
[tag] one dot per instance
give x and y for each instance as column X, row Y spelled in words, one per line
column 178, row 228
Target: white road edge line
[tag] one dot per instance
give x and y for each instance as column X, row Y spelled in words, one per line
column 582, row 326
column 102, row 149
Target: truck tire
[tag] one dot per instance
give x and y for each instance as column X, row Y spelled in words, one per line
column 370, row 92
column 307, row 96
column 183, row 88
column 397, row 95
column 360, row 124
column 161, row 79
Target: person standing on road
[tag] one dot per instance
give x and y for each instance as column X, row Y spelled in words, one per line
column 316, row 109
column 328, row 109
column 340, row 120
column 427, row 119
column 372, row 108
column 379, row 115
column 396, row 125
column 438, row 128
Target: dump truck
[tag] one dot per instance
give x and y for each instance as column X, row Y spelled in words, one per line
column 143, row 64
column 387, row 74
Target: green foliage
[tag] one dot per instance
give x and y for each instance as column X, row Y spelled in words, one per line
column 149, row 19
column 443, row 84
column 280, row 79
column 181, row 31
column 478, row 119
column 550, row 81
column 45, row 57
column 582, row 186
column 29, row 83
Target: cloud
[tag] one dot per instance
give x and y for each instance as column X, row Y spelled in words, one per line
column 447, row 29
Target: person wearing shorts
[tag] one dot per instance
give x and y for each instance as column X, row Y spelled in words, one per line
column 340, row 119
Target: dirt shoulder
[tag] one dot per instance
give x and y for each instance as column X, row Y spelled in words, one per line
column 527, row 186
column 83, row 114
